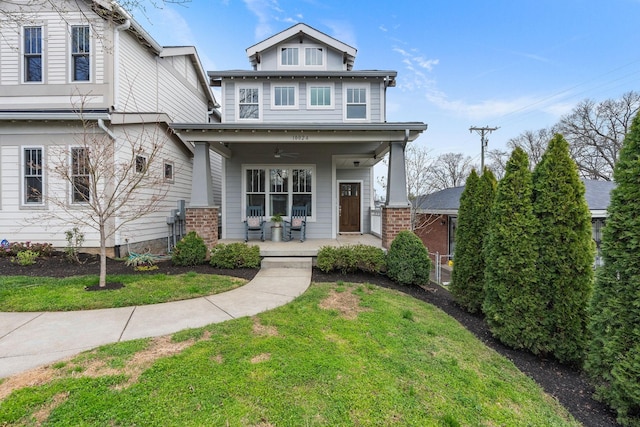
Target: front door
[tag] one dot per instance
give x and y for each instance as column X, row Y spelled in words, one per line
column 349, row 207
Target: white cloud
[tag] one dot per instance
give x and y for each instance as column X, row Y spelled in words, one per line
column 264, row 10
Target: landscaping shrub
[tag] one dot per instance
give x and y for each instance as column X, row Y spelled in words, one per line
column 351, row 258
column 75, row 239
column 613, row 356
column 142, row 262
column 12, row 249
column 566, row 256
column 408, row 261
column 27, row 257
column 235, row 255
column 190, row 250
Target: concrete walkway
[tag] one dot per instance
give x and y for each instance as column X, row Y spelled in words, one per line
column 29, row 340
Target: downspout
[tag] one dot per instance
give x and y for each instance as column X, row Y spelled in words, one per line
column 116, row 55
column 108, row 131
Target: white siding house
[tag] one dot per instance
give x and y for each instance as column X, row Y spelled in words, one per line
column 87, row 69
column 302, row 127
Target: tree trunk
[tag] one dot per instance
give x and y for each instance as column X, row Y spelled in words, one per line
column 103, row 258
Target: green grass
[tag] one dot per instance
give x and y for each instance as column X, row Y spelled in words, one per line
column 339, row 355
column 20, row 293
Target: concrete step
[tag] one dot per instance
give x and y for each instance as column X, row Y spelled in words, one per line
column 286, row 262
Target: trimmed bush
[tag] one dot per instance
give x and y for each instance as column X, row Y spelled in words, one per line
column 190, row 250
column 12, row 249
column 613, row 357
column 351, row 258
column 235, row 255
column 408, row 261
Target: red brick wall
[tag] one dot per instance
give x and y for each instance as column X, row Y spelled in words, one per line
column 394, row 220
column 203, row 221
column 433, row 233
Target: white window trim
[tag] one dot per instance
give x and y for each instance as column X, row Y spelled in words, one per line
column 23, row 189
column 304, row 57
column 266, row 167
column 321, row 107
column 362, row 200
column 368, row 104
column 260, row 101
column 70, row 53
column 296, row 96
column 23, row 71
column 72, row 202
column 172, row 179
column 282, row 66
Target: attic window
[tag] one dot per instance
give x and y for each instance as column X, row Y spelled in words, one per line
column 313, row 56
column 289, row 56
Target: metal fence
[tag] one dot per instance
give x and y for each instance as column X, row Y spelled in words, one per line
column 441, row 267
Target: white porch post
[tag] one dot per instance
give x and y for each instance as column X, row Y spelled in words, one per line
column 201, row 182
column 397, row 177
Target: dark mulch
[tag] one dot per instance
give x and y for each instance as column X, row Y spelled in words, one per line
column 565, row 383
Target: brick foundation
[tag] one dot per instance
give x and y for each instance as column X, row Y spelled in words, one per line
column 203, row 221
column 394, row 220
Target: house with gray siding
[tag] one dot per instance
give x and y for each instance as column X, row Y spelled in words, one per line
column 302, row 127
column 76, row 69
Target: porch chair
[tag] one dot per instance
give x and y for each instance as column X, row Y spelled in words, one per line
column 255, row 222
column 298, row 222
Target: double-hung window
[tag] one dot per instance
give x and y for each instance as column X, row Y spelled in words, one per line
column 249, row 103
column 319, row 96
column 284, row 96
column 80, row 50
column 356, row 103
column 276, row 189
column 80, row 179
column 33, row 176
column 33, row 54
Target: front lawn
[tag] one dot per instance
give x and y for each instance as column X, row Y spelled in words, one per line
column 22, row 293
column 339, row 355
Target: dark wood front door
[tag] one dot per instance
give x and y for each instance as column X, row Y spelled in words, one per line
column 349, row 207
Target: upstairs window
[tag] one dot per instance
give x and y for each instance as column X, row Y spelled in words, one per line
column 33, row 54
column 314, row 56
column 284, row 96
column 80, row 48
column 289, row 56
column 80, row 193
column 249, row 103
column 33, row 176
column 320, row 96
column 356, row 103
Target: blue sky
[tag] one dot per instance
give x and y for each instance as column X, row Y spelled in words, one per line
column 515, row 64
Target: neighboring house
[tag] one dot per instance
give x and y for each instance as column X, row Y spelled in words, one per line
column 303, row 128
column 437, row 215
column 66, row 60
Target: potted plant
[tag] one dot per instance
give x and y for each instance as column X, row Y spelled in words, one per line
column 276, row 229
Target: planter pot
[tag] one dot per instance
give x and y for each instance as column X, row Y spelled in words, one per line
column 276, row 234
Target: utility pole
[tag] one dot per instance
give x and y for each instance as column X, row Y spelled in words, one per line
column 483, row 142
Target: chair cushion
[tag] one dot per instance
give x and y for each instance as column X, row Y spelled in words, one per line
column 296, row 222
column 253, row 222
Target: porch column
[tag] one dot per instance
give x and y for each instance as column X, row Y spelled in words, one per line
column 202, row 215
column 396, row 213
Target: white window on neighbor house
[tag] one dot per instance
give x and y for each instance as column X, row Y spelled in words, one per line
column 168, row 171
column 32, row 54
column 276, row 188
column 249, row 103
column 284, row 96
column 289, row 56
column 356, row 104
column 80, row 53
column 319, row 96
column 80, row 175
column 314, row 56
column 33, row 176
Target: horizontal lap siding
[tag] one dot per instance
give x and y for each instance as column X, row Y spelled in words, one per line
column 138, row 86
column 366, row 192
column 180, row 94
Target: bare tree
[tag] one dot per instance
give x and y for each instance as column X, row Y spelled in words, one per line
column 497, row 162
column 534, row 143
column 595, row 133
column 111, row 181
column 418, row 163
column 450, row 170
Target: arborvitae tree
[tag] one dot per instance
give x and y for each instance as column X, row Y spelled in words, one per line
column 467, row 281
column 512, row 304
column 613, row 357
column 566, row 252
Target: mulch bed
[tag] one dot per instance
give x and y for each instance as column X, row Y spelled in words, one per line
column 565, row 383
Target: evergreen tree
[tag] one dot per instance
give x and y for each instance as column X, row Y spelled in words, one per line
column 566, row 252
column 512, row 304
column 467, row 281
column 613, row 357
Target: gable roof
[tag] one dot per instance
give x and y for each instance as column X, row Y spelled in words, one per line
column 447, row 201
column 349, row 52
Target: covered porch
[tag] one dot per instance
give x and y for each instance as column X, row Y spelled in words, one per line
column 310, row 247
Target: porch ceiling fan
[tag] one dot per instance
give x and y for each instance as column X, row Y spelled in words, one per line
column 278, row 153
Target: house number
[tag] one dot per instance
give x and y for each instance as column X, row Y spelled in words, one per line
column 300, row 137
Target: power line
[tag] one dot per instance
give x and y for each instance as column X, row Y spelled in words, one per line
column 483, row 141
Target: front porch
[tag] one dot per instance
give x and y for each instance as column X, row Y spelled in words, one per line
column 310, row 247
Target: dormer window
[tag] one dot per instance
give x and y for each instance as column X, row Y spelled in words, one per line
column 314, row 56
column 289, row 56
